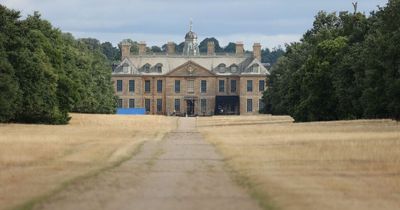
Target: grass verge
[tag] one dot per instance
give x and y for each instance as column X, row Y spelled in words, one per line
column 29, row 205
column 263, row 199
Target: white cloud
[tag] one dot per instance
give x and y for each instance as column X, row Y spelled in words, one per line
column 270, row 22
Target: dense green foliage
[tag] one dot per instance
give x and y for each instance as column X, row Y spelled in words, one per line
column 271, row 57
column 203, row 45
column 346, row 67
column 45, row 74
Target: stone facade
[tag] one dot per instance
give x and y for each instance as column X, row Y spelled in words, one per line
column 191, row 83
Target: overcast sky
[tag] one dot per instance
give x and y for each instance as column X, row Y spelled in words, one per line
column 270, row 22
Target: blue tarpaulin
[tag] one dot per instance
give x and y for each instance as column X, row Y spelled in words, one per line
column 131, row 111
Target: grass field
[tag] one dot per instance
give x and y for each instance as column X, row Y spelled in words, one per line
column 284, row 165
column 311, row 166
column 38, row 160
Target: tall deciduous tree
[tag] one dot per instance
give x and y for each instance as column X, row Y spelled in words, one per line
column 347, row 66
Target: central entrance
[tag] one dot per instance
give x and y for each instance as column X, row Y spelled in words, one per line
column 190, row 107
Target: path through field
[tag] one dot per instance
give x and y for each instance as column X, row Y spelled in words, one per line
column 180, row 172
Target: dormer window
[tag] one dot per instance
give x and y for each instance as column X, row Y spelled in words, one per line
column 125, row 68
column 158, row 68
column 146, row 68
column 255, row 68
column 234, row 68
column 221, row 68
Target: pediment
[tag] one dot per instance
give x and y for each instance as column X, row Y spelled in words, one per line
column 190, row 68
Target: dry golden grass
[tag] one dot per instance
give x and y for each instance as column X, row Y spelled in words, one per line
column 322, row 166
column 38, row 159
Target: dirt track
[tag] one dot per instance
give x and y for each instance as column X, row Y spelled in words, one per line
column 180, row 172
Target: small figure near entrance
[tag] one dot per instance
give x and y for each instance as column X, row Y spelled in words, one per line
column 190, row 107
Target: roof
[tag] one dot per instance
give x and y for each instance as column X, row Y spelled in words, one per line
column 163, row 64
column 191, row 35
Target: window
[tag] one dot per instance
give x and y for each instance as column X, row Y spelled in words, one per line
column 147, row 86
column 234, row 68
column 177, row 105
column 249, row 105
column 249, row 85
column 146, row 68
column 131, row 103
column 221, row 86
column 159, row 86
column 203, row 105
column 131, row 86
column 190, row 86
column 158, row 67
column 261, row 105
column 177, row 86
column 147, row 104
column 159, row 105
column 119, row 103
column 222, row 68
column 233, row 86
column 261, row 85
column 119, row 85
column 125, row 68
column 255, row 68
column 203, row 86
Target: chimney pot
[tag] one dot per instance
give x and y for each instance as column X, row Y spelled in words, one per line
column 257, row 51
column 210, row 48
column 142, row 48
column 239, row 48
column 170, row 48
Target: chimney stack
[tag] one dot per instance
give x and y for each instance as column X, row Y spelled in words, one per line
column 125, row 49
column 142, row 48
column 257, row 51
column 170, row 48
column 210, row 48
column 239, row 48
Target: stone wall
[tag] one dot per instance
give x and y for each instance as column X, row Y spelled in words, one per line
column 168, row 94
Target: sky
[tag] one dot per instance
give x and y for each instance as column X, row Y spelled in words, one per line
column 269, row 22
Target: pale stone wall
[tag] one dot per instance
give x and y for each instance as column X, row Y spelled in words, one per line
column 125, row 94
column 255, row 95
column 171, row 95
column 168, row 94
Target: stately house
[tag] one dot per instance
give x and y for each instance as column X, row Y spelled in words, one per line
column 191, row 83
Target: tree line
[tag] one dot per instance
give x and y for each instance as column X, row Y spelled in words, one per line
column 45, row 74
column 347, row 66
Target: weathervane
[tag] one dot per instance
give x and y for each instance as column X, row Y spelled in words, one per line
column 190, row 24
column 355, row 7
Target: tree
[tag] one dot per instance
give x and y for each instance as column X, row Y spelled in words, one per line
column 10, row 94
column 155, row 49
column 345, row 67
column 45, row 74
column 271, row 57
column 203, row 45
column 112, row 53
column 230, row 48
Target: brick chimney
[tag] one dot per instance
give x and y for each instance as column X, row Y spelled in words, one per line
column 257, row 51
column 239, row 48
column 142, row 48
column 125, row 49
column 210, row 48
column 170, row 48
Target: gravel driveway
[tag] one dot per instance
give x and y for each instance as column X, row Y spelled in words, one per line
column 182, row 171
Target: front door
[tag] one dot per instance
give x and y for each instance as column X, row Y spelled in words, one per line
column 190, row 107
